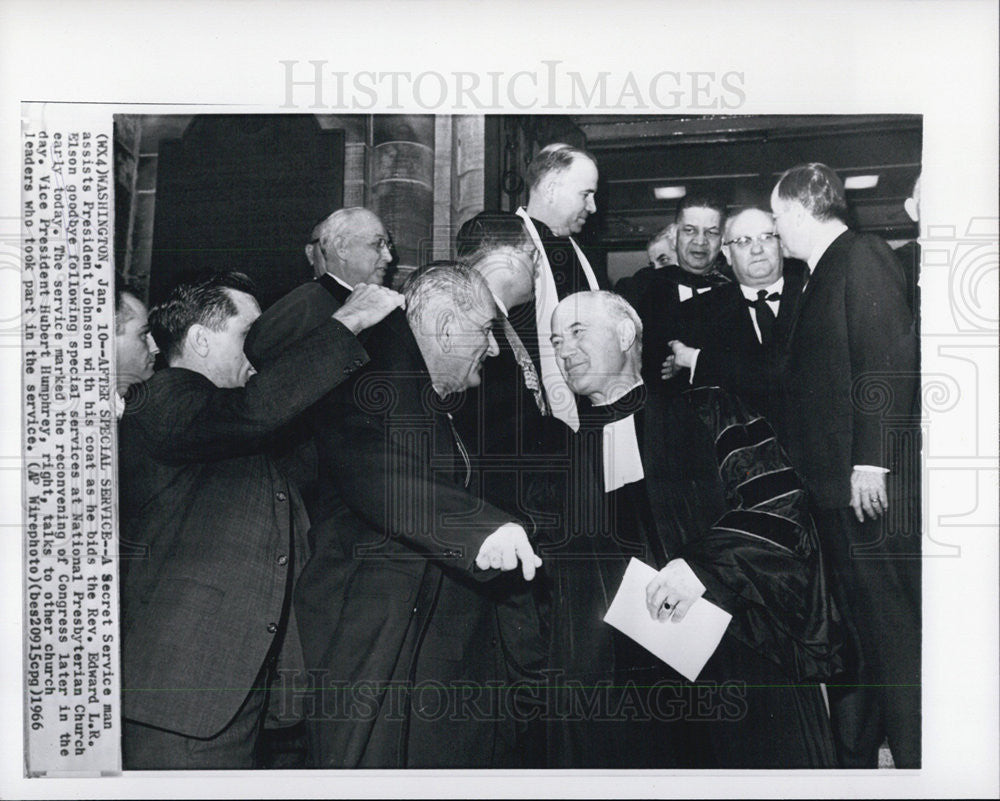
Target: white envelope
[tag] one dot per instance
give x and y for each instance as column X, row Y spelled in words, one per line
column 685, row 645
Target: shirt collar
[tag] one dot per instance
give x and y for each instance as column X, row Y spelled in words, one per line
column 750, row 292
column 830, row 233
column 620, row 395
column 344, row 284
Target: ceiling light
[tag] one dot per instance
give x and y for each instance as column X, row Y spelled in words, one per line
column 861, row 182
column 668, row 192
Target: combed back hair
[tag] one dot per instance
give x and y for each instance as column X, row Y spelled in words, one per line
column 489, row 231
column 205, row 302
column 817, row 188
column 732, row 218
column 702, row 201
column 337, row 224
column 124, row 286
column 661, row 234
column 620, row 309
column 452, row 283
column 553, row 158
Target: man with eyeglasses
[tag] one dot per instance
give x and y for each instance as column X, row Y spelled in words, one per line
column 658, row 295
column 348, row 248
column 736, row 335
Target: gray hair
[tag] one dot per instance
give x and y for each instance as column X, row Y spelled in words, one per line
column 338, row 224
column 450, row 282
column 727, row 229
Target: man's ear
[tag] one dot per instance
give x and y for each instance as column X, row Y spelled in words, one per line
column 311, row 249
column 339, row 246
column 549, row 185
column 196, row 340
column 445, row 329
column 727, row 252
column 626, row 334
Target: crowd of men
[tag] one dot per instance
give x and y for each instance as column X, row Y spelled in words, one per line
column 397, row 519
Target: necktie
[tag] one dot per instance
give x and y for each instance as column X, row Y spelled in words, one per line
column 765, row 317
column 527, row 366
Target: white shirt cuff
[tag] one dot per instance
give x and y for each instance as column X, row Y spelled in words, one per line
column 694, row 365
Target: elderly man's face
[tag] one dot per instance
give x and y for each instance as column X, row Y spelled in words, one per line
column 135, row 349
column 587, row 347
column 228, row 366
column 662, row 252
column 573, row 197
column 366, row 252
column 699, row 238
column 466, row 344
column 753, row 249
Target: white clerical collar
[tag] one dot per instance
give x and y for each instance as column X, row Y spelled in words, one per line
column 344, row 284
column 830, row 233
column 620, row 395
column 119, row 405
column 622, row 460
column 751, row 292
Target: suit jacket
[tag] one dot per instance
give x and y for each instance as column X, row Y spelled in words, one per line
column 288, row 320
column 719, row 323
column 852, row 370
column 219, row 532
column 655, row 296
column 392, row 593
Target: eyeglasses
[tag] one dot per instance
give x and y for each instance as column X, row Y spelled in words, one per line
column 380, row 243
column 743, row 242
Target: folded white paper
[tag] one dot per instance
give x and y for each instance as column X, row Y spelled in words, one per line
column 685, row 645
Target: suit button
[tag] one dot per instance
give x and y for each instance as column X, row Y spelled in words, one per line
column 272, row 628
column 280, row 496
column 282, row 560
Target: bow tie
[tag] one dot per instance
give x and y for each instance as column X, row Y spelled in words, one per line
column 761, row 297
column 678, row 275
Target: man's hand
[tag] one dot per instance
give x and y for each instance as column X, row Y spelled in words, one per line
column 505, row 547
column 670, row 368
column 366, row 305
column 683, row 355
column 671, row 593
column 868, row 495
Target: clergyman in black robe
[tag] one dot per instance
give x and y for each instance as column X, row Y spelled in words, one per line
column 697, row 486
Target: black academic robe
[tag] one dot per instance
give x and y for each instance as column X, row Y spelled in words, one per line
column 717, row 492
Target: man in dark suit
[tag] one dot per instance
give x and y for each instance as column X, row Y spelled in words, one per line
column 206, row 606
column 399, row 628
column 735, row 336
column 660, row 293
column 851, row 385
column 506, row 421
